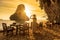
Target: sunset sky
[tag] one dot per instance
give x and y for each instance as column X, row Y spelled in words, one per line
column 8, row 7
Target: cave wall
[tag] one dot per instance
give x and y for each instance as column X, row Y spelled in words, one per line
column 52, row 9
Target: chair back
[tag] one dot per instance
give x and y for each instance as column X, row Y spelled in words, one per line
column 21, row 28
column 4, row 26
column 26, row 26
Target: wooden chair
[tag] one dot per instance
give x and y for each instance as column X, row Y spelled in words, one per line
column 21, row 29
column 26, row 28
column 7, row 29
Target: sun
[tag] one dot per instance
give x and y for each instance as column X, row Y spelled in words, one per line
column 28, row 11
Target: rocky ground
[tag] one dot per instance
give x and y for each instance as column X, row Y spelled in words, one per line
column 43, row 34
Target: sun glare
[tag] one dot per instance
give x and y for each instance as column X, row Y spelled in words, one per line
column 28, row 11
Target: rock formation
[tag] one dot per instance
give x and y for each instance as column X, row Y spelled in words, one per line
column 19, row 15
